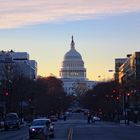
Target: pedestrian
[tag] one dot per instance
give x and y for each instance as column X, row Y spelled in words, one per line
column 89, row 117
column 46, row 131
column 65, row 117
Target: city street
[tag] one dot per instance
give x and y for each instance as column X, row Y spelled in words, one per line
column 14, row 134
column 70, row 69
column 95, row 131
column 77, row 128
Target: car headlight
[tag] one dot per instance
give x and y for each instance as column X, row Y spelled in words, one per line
column 33, row 130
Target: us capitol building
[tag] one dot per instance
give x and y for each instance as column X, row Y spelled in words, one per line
column 73, row 73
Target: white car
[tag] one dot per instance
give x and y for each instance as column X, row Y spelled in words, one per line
column 95, row 118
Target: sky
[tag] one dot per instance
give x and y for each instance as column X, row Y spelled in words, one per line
column 103, row 30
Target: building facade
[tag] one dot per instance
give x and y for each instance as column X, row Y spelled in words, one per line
column 73, row 72
column 129, row 79
column 118, row 63
column 14, row 64
column 129, row 71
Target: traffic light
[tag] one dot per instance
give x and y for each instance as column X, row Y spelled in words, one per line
column 114, row 91
column 128, row 94
column 6, row 94
column 117, row 98
column 30, row 100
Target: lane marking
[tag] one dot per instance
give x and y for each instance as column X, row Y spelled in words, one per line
column 70, row 133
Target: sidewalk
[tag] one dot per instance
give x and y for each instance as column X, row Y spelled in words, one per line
column 137, row 124
column 130, row 123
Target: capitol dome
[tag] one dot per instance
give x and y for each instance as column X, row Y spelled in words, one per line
column 72, row 54
column 73, row 65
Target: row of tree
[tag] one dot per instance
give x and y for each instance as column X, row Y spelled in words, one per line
column 44, row 96
column 103, row 100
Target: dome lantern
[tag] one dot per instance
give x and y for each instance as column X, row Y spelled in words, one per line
column 72, row 44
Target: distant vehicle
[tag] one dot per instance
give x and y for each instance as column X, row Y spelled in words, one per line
column 95, row 118
column 70, row 110
column 37, row 126
column 86, row 111
column 61, row 117
column 11, row 121
column 53, row 118
column 1, row 123
column 67, row 113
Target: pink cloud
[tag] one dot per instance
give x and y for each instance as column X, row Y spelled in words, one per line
column 17, row 13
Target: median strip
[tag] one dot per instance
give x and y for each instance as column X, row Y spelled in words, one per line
column 70, row 133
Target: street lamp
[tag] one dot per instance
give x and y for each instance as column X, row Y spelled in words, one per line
column 136, row 106
column 111, row 71
column 128, row 108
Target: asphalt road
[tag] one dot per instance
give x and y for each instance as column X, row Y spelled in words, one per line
column 95, row 131
column 14, row 134
column 77, row 128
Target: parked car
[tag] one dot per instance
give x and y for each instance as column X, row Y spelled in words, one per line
column 61, row 117
column 11, row 121
column 37, row 126
column 1, row 123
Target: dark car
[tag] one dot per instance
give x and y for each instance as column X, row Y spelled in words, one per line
column 11, row 121
column 1, row 123
column 37, row 126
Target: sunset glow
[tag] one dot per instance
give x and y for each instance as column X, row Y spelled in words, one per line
column 103, row 30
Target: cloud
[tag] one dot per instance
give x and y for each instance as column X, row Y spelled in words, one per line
column 18, row 13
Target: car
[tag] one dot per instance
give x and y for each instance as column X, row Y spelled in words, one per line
column 67, row 113
column 1, row 123
column 61, row 117
column 37, row 127
column 11, row 121
column 53, row 118
column 96, row 118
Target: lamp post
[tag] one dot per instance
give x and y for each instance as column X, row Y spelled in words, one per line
column 136, row 108
column 126, row 98
column 124, row 81
column 128, row 108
